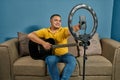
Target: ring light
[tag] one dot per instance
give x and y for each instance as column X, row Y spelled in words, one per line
column 82, row 37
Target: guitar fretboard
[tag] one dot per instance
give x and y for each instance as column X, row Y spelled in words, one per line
column 64, row 45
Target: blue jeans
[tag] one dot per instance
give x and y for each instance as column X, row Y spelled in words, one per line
column 70, row 64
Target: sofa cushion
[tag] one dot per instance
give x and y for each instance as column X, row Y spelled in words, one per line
column 72, row 49
column 23, row 44
column 96, row 65
column 29, row 67
column 94, row 48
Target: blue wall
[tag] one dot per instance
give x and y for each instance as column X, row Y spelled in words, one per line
column 116, row 21
column 28, row 15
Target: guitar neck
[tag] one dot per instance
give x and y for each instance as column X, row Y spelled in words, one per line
column 65, row 45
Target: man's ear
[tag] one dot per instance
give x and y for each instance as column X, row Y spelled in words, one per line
column 50, row 20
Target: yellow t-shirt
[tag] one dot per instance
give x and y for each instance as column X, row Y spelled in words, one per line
column 60, row 37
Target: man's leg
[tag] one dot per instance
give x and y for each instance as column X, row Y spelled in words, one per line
column 70, row 62
column 51, row 62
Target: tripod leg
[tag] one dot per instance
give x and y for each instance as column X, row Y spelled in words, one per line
column 84, row 60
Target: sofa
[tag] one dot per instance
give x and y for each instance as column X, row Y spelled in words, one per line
column 102, row 66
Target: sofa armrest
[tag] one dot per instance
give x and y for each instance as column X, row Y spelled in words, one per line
column 8, row 54
column 12, row 48
column 111, row 50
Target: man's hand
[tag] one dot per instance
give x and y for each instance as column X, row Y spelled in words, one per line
column 77, row 27
column 47, row 46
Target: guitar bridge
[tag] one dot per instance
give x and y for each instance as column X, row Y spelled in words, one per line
column 38, row 47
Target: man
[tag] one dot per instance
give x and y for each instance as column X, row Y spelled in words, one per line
column 60, row 35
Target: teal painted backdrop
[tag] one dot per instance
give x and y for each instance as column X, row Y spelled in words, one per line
column 115, row 31
column 28, row 15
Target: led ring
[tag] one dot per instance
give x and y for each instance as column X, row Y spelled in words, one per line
column 83, row 37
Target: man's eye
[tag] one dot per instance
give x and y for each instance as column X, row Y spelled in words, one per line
column 57, row 20
column 60, row 21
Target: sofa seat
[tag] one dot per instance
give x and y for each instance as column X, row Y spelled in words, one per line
column 26, row 66
column 30, row 67
column 96, row 66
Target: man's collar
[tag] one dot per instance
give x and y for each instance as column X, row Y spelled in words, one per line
column 56, row 31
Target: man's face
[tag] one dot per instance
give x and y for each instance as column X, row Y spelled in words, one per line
column 56, row 22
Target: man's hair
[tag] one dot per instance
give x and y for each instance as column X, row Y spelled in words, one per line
column 54, row 15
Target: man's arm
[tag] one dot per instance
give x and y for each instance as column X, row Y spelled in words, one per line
column 75, row 28
column 32, row 36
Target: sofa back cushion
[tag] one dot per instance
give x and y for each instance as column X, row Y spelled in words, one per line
column 93, row 49
column 23, row 44
column 73, row 49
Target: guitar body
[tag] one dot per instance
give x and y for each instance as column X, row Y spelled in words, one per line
column 37, row 51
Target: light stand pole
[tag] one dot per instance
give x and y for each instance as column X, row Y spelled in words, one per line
column 84, row 44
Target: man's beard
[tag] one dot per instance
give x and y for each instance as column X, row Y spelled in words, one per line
column 57, row 27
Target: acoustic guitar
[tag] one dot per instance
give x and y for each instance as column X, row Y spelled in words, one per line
column 37, row 51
